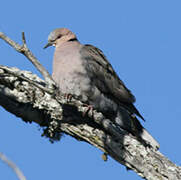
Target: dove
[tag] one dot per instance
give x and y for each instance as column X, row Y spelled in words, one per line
column 84, row 71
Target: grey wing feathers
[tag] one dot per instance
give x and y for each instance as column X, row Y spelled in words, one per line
column 106, row 79
column 103, row 69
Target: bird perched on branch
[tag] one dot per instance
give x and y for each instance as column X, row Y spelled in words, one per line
column 84, row 71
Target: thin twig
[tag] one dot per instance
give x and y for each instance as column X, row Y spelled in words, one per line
column 24, row 40
column 13, row 166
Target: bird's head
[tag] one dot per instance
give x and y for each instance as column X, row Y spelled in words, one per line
column 59, row 36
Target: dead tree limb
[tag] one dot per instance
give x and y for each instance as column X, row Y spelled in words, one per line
column 28, row 97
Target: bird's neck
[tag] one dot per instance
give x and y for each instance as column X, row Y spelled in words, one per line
column 63, row 45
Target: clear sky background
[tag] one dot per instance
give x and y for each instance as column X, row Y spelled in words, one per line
column 141, row 39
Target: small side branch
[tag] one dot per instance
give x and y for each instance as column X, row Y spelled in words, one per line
column 23, row 49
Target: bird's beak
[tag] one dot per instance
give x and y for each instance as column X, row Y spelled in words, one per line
column 47, row 45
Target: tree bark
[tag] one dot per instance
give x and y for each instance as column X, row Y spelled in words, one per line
column 35, row 100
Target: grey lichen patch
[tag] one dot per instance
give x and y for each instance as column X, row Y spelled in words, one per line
column 16, row 95
column 32, row 76
column 23, row 86
column 45, row 101
column 53, row 131
column 10, row 79
column 27, row 74
column 1, row 71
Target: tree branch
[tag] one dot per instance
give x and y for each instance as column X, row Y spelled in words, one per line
column 23, row 49
column 27, row 96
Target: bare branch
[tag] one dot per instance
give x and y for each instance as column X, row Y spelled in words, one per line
column 13, row 166
column 26, row 52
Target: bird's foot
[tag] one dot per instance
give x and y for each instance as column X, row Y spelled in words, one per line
column 88, row 110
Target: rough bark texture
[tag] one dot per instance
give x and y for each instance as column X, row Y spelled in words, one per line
column 28, row 97
column 31, row 103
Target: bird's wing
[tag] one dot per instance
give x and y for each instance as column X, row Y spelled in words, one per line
column 105, row 78
column 103, row 75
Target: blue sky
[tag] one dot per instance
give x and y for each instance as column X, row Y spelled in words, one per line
column 141, row 39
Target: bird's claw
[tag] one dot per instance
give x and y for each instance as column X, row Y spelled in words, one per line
column 88, row 110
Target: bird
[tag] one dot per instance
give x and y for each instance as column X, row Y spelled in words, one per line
column 84, row 71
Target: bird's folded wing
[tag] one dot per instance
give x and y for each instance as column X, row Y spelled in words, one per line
column 103, row 75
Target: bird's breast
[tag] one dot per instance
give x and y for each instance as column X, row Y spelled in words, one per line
column 70, row 74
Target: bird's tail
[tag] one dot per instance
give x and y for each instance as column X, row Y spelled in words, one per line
column 146, row 136
column 132, row 125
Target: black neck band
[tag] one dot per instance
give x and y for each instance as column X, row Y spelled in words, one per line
column 74, row 39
